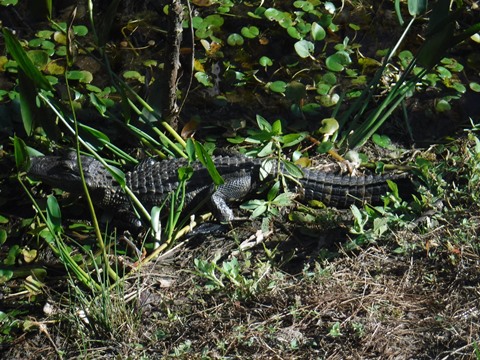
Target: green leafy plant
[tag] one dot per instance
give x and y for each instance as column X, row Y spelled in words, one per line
column 229, row 277
column 358, row 129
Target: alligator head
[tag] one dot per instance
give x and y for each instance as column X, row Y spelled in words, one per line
column 63, row 172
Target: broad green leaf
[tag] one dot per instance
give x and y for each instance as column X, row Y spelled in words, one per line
column 324, row 147
column 259, row 211
column 293, row 139
column 337, row 61
column 406, row 58
column 39, row 58
column 236, row 140
column 54, row 68
column 304, row 5
column 293, row 32
column 80, row 30
column 323, row 89
column 278, row 86
column 265, row 61
column 252, row 204
column 277, row 127
column 98, row 103
column 250, row 32
column 304, row 48
column 459, row 87
column 266, row 150
column 5, row 275
column 274, row 190
column 329, row 126
column 295, row 91
column 311, row 109
column 383, row 141
column 393, row 188
column 3, row 236
column 235, row 40
column 442, row 106
column 132, row 74
column 318, row 32
column 82, row 76
column 263, row 124
column 214, row 20
column 329, row 78
column 203, row 79
column 474, row 86
column 284, row 199
column 272, row 14
column 12, row 254
column 292, row 169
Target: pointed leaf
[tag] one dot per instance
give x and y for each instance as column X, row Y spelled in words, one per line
column 292, row 169
column 28, row 103
column 23, row 61
column 54, row 215
column 263, row 124
column 22, row 160
column 273, row 192
column 206, row 160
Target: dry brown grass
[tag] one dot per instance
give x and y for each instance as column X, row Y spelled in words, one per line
column 370, row 304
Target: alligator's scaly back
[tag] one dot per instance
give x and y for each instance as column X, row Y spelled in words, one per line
column 342, row 191
column 152, row 181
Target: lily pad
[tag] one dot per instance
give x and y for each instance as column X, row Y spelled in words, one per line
column 278, row 86
column 337, row 61
column 265, row 61
column 304, row 48
column 329, row 126
column 235, row 40
column 250, row 32
column 295, row 91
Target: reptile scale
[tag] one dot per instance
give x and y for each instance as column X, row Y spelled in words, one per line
column 151, row 181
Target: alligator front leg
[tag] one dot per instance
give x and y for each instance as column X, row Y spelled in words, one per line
column 234, row 189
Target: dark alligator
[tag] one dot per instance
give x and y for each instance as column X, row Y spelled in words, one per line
column 151, row 181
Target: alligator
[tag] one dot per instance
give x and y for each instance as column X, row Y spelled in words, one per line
column 152, row 181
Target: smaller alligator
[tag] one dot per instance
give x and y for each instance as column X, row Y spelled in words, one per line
column 152, row 181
